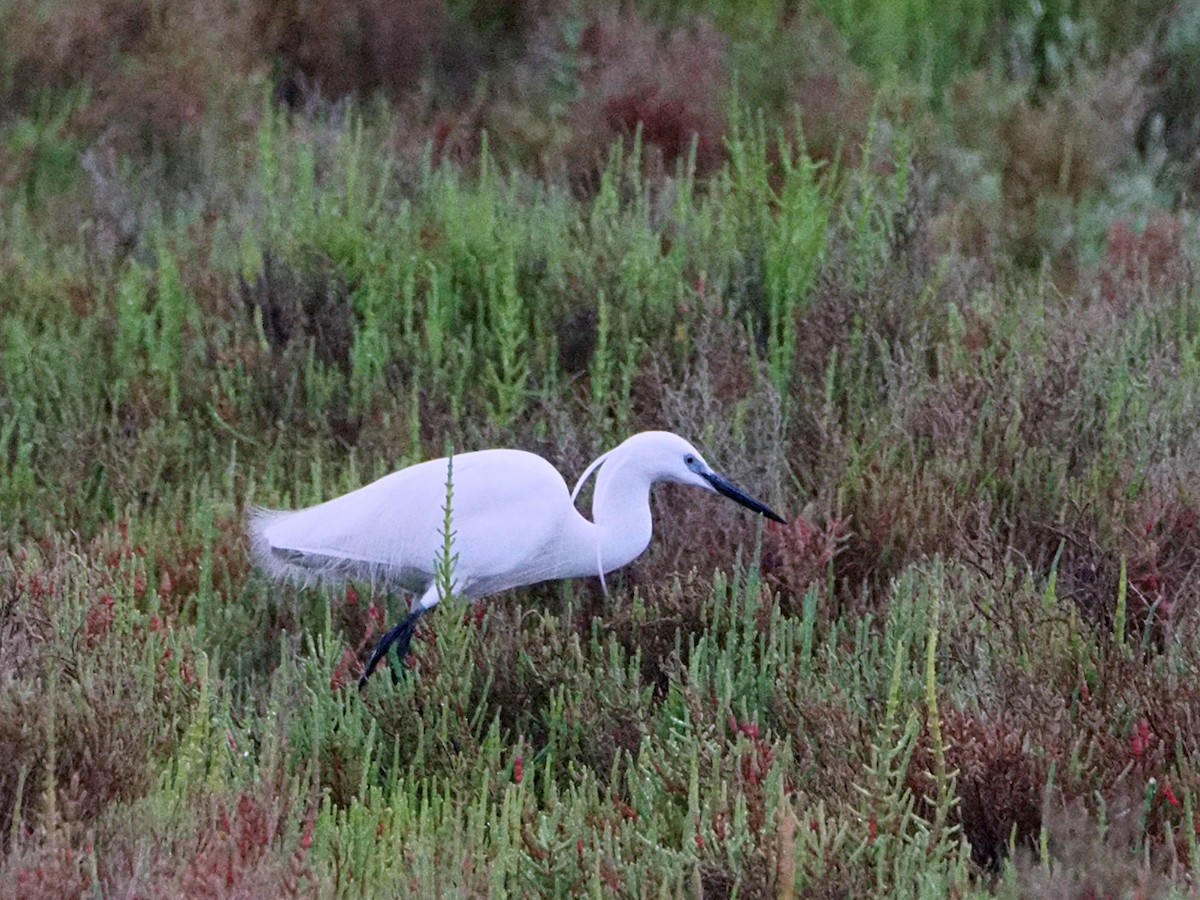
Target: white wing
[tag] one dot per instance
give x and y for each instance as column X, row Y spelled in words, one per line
column 509, row 511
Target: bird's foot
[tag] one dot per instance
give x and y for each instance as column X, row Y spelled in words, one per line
column 401, row 636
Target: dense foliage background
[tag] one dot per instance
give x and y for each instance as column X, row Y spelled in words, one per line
column 919, row 274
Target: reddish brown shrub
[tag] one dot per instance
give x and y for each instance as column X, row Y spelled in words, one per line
column 1162, row 547
column 331, row 49
column 52, row 871
column 798, row 554
column 669, row 84
column 358, row 47
column 77, row 732
column 251, row 845
column 1000, row 782
column 1154, row 261
column 1052, row 155
column 152, row 72
column 60, row 45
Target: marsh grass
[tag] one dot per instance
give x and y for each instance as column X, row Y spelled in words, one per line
column 967, row 666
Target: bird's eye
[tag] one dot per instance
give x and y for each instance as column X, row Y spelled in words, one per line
column 689, row 460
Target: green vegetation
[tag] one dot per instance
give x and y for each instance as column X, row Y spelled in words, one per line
column 922, row 281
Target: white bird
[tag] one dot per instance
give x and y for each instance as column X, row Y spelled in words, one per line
column 513, row 524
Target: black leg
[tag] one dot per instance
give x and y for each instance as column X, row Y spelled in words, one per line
column 401, row 636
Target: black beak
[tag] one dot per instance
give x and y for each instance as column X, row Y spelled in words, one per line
column 735, row 493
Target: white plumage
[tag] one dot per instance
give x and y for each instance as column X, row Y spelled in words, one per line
column 513, row 522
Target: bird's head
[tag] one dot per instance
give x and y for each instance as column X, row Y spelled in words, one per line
column 663, row 456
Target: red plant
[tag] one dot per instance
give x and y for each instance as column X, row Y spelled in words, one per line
column 670, row 84
column 52, row 871
column 721, row 824
column 297, row 865
column 798, row 554
column 1169, row 795
column 100, row 618
column 1154, row 260
column 753, row 768
column 1141, row 740
column 1164, row 553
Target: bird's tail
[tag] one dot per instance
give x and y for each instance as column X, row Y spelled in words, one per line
column 304, row 567
column 265, row 556
column 286, row 564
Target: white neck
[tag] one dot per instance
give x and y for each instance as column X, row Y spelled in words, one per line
column 621, row 527
column 621, row 513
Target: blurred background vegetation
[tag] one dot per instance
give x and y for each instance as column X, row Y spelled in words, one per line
column 920, row 275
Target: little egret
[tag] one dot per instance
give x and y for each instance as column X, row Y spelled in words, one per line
column 512, row 520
